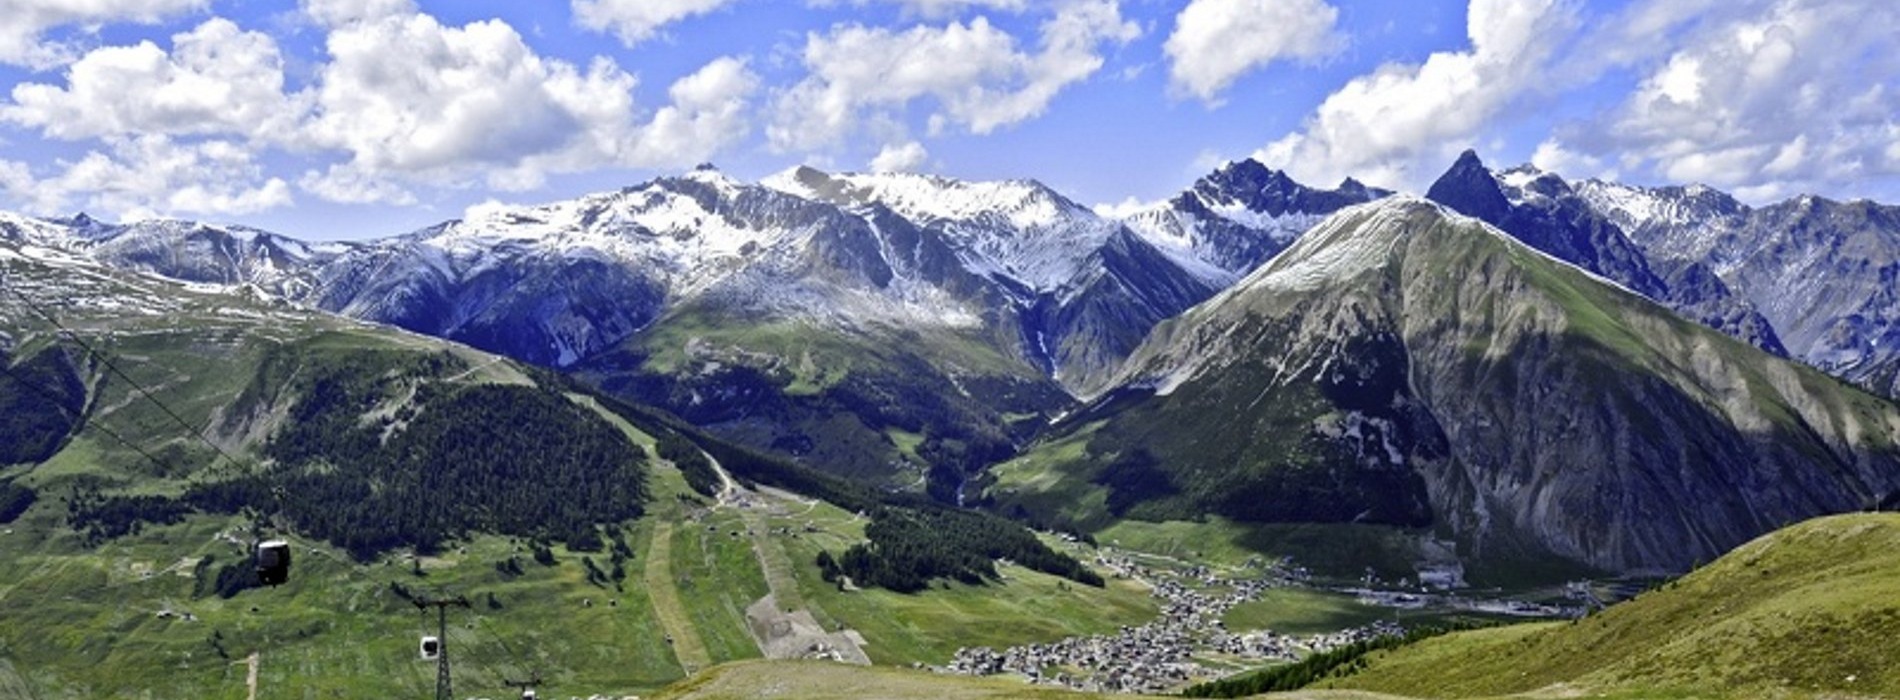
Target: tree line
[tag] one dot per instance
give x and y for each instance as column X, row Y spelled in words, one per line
column 446, row 461
column 41, row 400
column 907, row 548
column 912, row 539
column 15, row 498
column 692, row 463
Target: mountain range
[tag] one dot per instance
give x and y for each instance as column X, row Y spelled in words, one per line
column 1406, row 365
column 825, row 316
column 911, row 330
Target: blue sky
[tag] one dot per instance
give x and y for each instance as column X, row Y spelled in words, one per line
column 356, row 118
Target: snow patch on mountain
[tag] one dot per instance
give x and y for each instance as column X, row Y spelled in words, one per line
column 1358, row 239
column 1178, row 235
column 1238, row 217
column 653, row 227
column 1015, row 229
column 39, row 232
column 1675, row 222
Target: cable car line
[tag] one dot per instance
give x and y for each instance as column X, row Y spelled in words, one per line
column 534, row 679
column 114, row 369
column 85, row 424
column 272, row 558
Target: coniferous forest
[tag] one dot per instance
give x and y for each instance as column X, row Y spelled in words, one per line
column 908, row 547
column 911, row 540
column 41, row 399
column 444, row 474
column 374, row 454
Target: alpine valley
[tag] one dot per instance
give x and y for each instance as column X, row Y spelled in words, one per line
column 900, row 407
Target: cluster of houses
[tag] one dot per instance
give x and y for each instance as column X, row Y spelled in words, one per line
column 1158, row 657
column 1147, row 659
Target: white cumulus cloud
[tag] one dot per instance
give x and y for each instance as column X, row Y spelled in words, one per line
column 337, row 13
column 1397, row 125
column 23, row 23
column 1217, row 41
column 900, row 158
column 1769, row 98
column 1552, row 156
column 710, row 110
column 409, row 99
column 1126, row 208
column 635, row 21
column 937, row 8
column 217, row 79
column 147, row 176
column 976, row 73
column 402, row 102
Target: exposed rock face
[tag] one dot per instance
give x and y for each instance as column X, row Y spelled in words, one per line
column 1090, row 327
column 1402, row 364
column 1822, row 272
column 1544, row 212
column 1240, row 216
column 551, row 310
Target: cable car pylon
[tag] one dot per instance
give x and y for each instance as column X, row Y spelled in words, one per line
column 443, row 689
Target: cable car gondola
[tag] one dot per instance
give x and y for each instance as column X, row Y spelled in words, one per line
column 273, row 562
column 431, row 648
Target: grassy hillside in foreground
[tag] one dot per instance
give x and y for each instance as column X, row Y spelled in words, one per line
column 1811, row 609
column 83, row 622
column 794, row 680
column 798, row 680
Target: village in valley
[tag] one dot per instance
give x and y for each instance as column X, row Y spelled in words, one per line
column 1191, row 643
column 1193, row 638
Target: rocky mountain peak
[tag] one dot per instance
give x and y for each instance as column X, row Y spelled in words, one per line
column 1470, row 187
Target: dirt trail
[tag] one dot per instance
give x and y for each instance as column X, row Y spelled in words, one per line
column 687, row 646
column 780, row 622
column 464, row 374
column 250, row 677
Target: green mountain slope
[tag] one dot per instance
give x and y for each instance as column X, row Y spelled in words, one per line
column 1811, row 609
column 1406, row 366
column 582, row 548
column 138, row 401
column 877, row 403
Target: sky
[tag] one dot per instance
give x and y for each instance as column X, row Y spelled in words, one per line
column 344, row 119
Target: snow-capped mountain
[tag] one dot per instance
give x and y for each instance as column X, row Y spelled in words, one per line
column 185, row 250
column 1240, row 216
column 1045, row 280
column 773, row 308
column 556, row 283
column 1019, row 232
column 1078, row 289
column 1825, row 273
column 664, row 289
column 38, row 232
column 1540, row 210
column 1403, row 364
column 1548, row 214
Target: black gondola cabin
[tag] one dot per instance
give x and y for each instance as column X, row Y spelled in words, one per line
column 273, row 562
